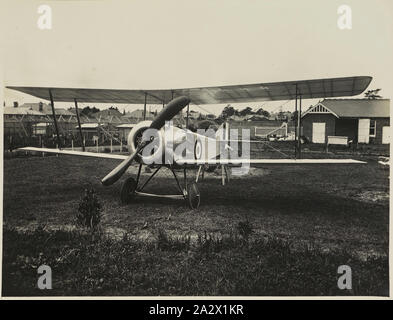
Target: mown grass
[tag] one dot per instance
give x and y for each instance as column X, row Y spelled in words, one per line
column 321, row 209
column 211, row 264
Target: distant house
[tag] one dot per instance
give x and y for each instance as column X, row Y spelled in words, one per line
column 255, row 117
column 91, row 131
column 61, row 113
column 66, row 119
column 360, row 120
column 137, row 115
column 109, row 113
column 21, row 121
column 109, row 117
column 237, row 118
column 124, row 129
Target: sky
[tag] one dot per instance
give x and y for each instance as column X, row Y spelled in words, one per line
column 179, row 44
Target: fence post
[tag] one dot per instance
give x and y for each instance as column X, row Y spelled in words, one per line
column 111, row 145
column 97, row 145
column 72, row 144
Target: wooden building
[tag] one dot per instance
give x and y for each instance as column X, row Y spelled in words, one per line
column 356, row 120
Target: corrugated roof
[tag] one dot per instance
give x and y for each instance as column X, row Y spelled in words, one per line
column 47, row 109
column 21, row 111
column 138, row 114
column 359, row 108
column 108, row 113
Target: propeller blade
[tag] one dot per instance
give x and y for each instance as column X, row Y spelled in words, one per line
column 116, row 173
column 170, row 110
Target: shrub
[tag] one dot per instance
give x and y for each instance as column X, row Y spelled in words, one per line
column 89, row 211
column 245, row 229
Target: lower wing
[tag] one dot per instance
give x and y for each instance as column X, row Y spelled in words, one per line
column 76, row 153
column 230, row 162
column 237, row 162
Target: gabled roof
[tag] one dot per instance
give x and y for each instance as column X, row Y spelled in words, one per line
column 21, row 111
column 356, row 108
column 138, row 114
column 47, row 109
column 255, row 117
column 108, row 113
column 34, row 105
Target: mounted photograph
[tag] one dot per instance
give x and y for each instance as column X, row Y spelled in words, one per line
column 196, row 149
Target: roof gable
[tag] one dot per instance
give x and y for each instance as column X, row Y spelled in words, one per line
column 320, row 108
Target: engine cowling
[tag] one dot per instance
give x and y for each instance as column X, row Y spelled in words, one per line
column 154, row 151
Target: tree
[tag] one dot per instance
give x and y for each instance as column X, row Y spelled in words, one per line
column 227, row 112
column 262, row 112
column 246, row 111
column 372, row 94
column 282, row 116
column 87, row 111
column 294, row 116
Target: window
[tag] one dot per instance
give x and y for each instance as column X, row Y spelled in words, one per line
column 373, row 128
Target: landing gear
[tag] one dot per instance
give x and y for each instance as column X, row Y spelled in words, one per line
column 128, row 191
column 131, row 188
column 193, row 196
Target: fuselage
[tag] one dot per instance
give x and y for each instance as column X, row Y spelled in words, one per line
column 170, row 143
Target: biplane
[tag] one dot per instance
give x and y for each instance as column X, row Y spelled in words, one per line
column 149, row 143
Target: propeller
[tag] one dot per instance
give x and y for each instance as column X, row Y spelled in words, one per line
column 171, row 109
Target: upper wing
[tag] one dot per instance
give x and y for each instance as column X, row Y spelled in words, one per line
column 317, row 88
column 76, row 153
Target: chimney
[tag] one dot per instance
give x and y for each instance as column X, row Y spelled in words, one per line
column 15, row 104
column 40, row 106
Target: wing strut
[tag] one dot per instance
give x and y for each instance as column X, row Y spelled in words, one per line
column 299, row 121
column 298, row 124
column 188, row 114
column 144, row 107
column 79, row 124
column 54, row 118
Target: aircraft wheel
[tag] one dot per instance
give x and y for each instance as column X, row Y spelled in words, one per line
column 193, row 196
column 128, row 191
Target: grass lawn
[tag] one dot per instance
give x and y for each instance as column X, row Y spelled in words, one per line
column 305, row 221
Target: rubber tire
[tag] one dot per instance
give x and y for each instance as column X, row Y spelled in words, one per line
column 127, row 192
column 193, row 196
